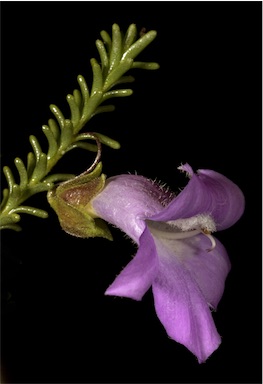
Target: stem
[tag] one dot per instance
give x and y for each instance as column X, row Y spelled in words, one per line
column 63, row 134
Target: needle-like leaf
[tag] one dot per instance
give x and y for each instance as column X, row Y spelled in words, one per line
column 117, row 54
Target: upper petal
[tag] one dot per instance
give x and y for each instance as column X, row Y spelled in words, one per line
column 181, row 306
column 137, row 277
column 206, row 192
column 127, row 200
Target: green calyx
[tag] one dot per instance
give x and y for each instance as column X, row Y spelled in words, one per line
column 71, row 202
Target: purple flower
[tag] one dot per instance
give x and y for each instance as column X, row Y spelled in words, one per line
column 177, row 255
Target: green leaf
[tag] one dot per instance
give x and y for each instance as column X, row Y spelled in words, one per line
column 108, row 141
column 84, row 89
column 40, row 169
column 54, row 128
column 31, row 163
column 97, row 77
column 59, row 115
column 9, row 178
column 106, row 39
column 117, row 93
column 36, row 147
column 103, row 109
column 130, row 37
column 52, row 142
column 140, row 45
column 31, row 211
column 5, row 198
column 143, row 65
column 103, row 56
column 116, row 47
column 66, row 135
column 74, row 109
column 9, row 222
column 22, row 172
column 117, row 73
column 78, row 98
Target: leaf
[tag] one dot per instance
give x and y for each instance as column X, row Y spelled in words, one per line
column 97, row 77
column 74, row 109
column 139, row 45
column 130, row 37
column 52, row 141
column 103, row 56
column 22, row 172
column 116, row 48
column 117, row 73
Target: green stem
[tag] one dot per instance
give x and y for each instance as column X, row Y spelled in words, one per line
column 117, row 57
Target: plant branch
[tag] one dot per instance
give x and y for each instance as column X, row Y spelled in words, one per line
column 117, row 55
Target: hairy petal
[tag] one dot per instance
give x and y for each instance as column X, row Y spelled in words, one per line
column 206, row 192
column 137, row 277
column 181, row 306
column 127, row 200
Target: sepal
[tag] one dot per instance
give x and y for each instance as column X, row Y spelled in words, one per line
column 71, row 202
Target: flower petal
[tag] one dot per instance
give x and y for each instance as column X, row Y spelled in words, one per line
column 181, row 306
column 229, row 202
column 206, row 192
column 127, row 200
column 208, row 268
column 137, row 277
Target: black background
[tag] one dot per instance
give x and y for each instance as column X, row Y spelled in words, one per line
column 203, row 106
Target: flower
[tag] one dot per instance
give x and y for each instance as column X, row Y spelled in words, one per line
column 177, row 255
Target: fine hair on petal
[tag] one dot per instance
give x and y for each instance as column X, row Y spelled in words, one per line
column 202, row 221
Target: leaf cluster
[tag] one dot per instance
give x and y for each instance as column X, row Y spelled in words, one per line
column 117, row 56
